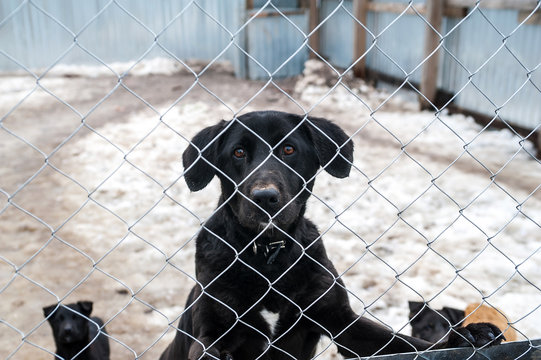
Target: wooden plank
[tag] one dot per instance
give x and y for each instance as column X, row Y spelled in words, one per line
column 313, row 22
column 360, row 9
column 453, row 8
column 534, row 19
column 429, row 77
column 495, row 4
column 239, row 60
column 395, row 7
column 398, row 8
column 455, row 11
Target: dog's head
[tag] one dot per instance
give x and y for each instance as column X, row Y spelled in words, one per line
column 67, row 322
column 432, row 325
column 266, row 162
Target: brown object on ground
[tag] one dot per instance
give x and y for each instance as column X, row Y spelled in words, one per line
column 483, row 313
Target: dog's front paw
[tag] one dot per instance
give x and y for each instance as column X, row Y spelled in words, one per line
column 476, row 334
column 198, row 353
column 226, row 356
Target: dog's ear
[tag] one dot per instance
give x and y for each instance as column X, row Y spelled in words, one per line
column 198, row 171
column 327, row 139
column 453, row 315
column 415, row 307
column 86, row 307
column 48, row 310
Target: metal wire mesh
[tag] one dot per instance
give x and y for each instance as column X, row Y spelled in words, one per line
column 93, row 203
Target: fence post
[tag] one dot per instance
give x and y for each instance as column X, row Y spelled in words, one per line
column 360, row 9
column 313, row 19
column 429, row 77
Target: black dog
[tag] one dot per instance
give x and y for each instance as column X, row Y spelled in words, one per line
column 73, row 332
column 432, row 325
column 258, row 253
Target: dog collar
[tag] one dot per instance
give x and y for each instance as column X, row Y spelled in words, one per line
column 272, row 249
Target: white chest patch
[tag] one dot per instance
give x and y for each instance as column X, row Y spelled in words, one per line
column 271, row 318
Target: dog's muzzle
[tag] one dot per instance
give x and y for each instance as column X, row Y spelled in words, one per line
column 267, row 197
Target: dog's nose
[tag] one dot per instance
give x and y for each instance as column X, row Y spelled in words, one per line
column 68, row 329
column 267, row 198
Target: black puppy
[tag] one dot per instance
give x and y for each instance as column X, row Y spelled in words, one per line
column 258, row 254
column 432, row 325
column 73, row 332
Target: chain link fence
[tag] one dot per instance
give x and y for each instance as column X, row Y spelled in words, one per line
column 93, row 204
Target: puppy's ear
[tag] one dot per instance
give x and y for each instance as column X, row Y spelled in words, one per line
column 415, row 307
column 48, row 311
column 328, row 138
column 453, row 315
column 198, row 171
column 86, row 307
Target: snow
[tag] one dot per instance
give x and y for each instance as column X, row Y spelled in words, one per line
column 435, row 209
column 430, row 211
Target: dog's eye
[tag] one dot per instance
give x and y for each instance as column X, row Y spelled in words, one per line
column 239, row 153
column 288, row 150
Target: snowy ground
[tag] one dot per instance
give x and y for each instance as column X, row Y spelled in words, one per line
column 123, row 220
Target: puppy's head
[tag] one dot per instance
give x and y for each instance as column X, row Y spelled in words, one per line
column 68, row 324
column 432, row 325
column 266, row 162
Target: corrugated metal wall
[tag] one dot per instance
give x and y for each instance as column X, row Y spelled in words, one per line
column 125, row 30
column 399, row 43
column 107, row 30
column 400, row 49
column 336, row 34
column 493, row 86
column 277, row 43
column 41, row 35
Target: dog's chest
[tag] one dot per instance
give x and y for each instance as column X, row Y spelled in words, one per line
column 271, row 318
